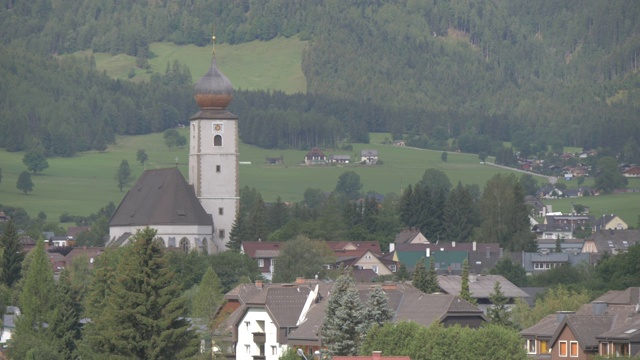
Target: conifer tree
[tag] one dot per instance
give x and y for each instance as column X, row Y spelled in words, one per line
column 432, row 285
column 344, row 318
column 12, row 256
column 402, row 274
column 419, row 280
column 36, row 304
column 64, row 326
column 498, row 312
column 377, row 312
column 207, row 299
column 144, row 315
column 465, row 293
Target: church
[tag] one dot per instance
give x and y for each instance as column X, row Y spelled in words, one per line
column 198, row 213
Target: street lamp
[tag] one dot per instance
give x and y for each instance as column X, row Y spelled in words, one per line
column 301, row 353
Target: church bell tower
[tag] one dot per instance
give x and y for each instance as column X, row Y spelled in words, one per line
column 213, row 153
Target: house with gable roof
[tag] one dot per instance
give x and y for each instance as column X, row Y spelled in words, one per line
column 264, row 253
column 369, row 156
column 610, row 222
column 271, row 318
column 481, row 288
column 608, row 326
column 315, row 157
column 611, row 241
column 361, row 255
column 410, row 236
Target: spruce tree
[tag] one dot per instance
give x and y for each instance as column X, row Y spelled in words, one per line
column 419, row 280
column 431, row 280
column 64, row 326
column 465, row 293
column 377, row 312
column 12, row 256
column 344, row 318
column 498, row 312
column 144, row 315
column 36, row 303
column 402, row 274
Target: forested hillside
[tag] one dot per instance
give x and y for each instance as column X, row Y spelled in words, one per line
column 565, row 72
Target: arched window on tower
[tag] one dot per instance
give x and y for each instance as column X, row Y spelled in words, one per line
column 217, row 140
column 184, row 244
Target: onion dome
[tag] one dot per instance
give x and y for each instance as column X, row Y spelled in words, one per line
column 213, row 90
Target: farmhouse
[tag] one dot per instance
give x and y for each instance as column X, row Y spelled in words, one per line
column 369, row 157
column 315, row 157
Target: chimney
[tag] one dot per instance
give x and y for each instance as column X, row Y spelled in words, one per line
column 561, row 314
column 259, row 284
column 376, row 355
column 472, row 278
column 475, row 246
column 392, row 247
column 488, row 249
column 300, row 280
column 599, row 307
column 428, row 252
column 453, row 244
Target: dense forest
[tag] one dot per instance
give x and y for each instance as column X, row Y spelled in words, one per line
column 563, row 71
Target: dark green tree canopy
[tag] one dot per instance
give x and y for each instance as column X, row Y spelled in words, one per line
column 123, row 175
column 35, row 161
column 24, row 183
column 302, row 257
column 12, row 255
column 349, row 185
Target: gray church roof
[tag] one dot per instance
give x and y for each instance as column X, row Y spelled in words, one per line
column 160, row 197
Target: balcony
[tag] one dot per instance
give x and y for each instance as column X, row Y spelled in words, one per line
column 259, row 337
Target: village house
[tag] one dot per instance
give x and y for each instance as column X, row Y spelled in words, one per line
column 271, row 318
column 369, row 156
column 632, row 172
column 315, row 157
column 546, row 259
column 610, row 222
column 340, row 159
column 481, row 287
column 611, row 241
column 608, row 326
column 264, row 253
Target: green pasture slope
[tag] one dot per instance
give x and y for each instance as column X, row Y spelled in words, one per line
column 274, row 64
column 84, row 183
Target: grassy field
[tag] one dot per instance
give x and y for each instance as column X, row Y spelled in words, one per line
column 256, row 65
column 82, row 184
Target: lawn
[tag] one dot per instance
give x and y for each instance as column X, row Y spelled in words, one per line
column 274, row 64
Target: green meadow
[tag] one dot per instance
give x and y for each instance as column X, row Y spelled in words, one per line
column 86, row 182
column 274, row 64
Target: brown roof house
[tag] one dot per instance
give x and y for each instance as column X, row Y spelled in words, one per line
column 611, row 241
column 264, row 253
column 315, row 157
column 274, row 317
column 163, row 200
column 608, row 326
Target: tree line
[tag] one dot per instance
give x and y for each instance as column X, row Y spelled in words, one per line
column 558, row 71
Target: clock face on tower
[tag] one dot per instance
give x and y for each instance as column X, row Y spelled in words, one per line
column 217, row 128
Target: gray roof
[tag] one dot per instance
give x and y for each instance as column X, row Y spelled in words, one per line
column 481, row 287
column 369, row 152
column 613, row 241
column 533, row 293
column 160, row 197
column 9, row 321
column 544, row 328
column 629, row 296
column 629, row 332
column 585, row 328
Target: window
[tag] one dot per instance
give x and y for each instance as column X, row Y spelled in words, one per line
column 604, row 348
column 375, row 268
column 184, row 244
column 160, row 241
column 247, row 349
column 260, row 262
column 217, row 140
column 217, row 168
column 392, row 268
column 274, row 350
column 221, row 233
column 562, row 349
column 573, row 349
column 531, row 346
column 246, row 323
column 220, row 211
column 622, row 349
column 544, row 347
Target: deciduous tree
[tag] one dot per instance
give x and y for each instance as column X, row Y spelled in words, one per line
column 123, row 175
column 35, row 161
column 24, row 183
column 349, row 184
column 207, row 299
column 302, row 257
column 141, row 156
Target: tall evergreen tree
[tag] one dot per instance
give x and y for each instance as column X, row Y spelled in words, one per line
column 144, row 315
column 377, row 312
column 12, row 256
column 498, row 312
column 432, row 285
column 207, row 299
column 277, row 215
column 344, row 318
column 419, row 279
column 36, row 303
column 402, row 274
column 123, row 175
column 465, row 292
column 64, row 326
column 460, row 215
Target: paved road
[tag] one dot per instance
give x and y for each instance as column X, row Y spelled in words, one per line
column 551, row 179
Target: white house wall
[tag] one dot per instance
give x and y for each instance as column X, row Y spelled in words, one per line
column 191, row 232
column 246, row 348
